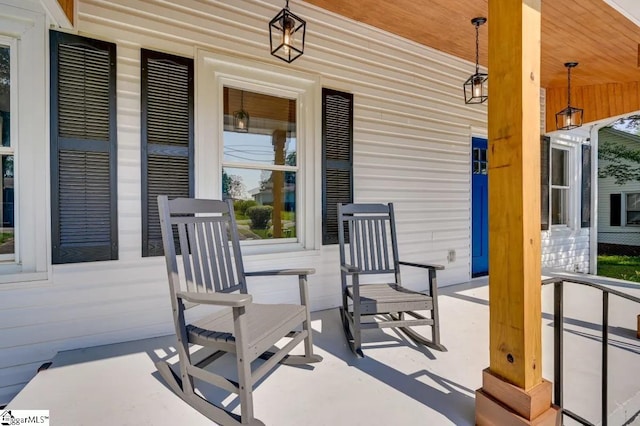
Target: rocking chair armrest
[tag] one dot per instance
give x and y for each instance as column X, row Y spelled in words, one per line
column 234, row 300
column 423, row 265
column 299, row 271
column 350, row 269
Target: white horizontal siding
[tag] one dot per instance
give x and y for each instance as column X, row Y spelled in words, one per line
column 625, row 235
column 568, row 248
column 412, row 147
column 412, row 143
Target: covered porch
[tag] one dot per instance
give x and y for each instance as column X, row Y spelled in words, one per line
column 411, row 144
column 397, row 383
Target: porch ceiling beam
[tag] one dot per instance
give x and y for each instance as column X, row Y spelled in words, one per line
column 599, row 101
column 515, row 371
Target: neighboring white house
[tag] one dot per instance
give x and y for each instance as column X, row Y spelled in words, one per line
column 618, row 205
column 412, row 136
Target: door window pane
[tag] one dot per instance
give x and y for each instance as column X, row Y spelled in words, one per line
column 479, row 161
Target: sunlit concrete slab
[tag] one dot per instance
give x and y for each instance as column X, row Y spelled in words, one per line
column 396, row 384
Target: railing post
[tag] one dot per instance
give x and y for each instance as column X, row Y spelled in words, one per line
column 605, row 354
column 558, row 329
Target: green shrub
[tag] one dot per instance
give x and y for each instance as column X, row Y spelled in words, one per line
column 241, row 206
column 260, row 216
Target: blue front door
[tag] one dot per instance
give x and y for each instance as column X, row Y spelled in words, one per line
column 479, row 208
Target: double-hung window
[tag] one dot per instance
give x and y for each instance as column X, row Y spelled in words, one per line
column 23, row 146
column 632, row 209
column 7, row 155
column 259, row 163
column 258, row 144
column 560, row 186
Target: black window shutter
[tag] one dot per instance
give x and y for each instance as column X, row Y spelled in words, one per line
column 616, row 210
column 545, row 152
column 83, row 149
column 337, row 159
column 167, row 138
column 586, row 186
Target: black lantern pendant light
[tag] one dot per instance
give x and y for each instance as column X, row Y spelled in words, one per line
column 570, row 117
column 241, row 117
column 475, row 88
column 286, row 35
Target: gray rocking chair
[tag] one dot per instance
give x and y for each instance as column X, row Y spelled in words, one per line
column 370, row 229
column 214, row 275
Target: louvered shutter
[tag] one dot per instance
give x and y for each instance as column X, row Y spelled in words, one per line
column 83, row 149
column 167, row 138
column 545, row 152
column 586, row 186
column 337, row 159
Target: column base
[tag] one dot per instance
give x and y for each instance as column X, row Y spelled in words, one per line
column 501, row 403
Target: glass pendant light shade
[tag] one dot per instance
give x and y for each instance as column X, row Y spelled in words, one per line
column 241, row 117
column 286, row 35
column 476, row 90
column 570, row 117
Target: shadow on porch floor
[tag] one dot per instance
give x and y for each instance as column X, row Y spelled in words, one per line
column 397, row 382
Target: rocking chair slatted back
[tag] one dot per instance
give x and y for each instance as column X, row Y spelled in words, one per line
column 210, row 247
column 371, row 231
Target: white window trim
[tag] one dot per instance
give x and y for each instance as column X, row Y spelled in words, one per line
column 573, row 195
column 12, row 44
column 213, row 72
column 623, row 208
column 25, row 32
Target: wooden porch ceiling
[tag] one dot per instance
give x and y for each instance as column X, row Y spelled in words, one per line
column 603, row 41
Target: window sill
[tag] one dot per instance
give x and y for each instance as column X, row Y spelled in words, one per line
column 275, row 251
column 559, row 230
column 11, row 278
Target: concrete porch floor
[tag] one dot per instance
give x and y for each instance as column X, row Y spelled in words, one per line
column 396, row 384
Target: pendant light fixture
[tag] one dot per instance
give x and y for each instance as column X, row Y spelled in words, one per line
column 286, row 35
column 475, row 88
column 241, row 117
column 570, row 117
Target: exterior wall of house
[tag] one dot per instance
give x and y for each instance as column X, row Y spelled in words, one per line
column 627, row 235
column 412, row 135
column 568, row 247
